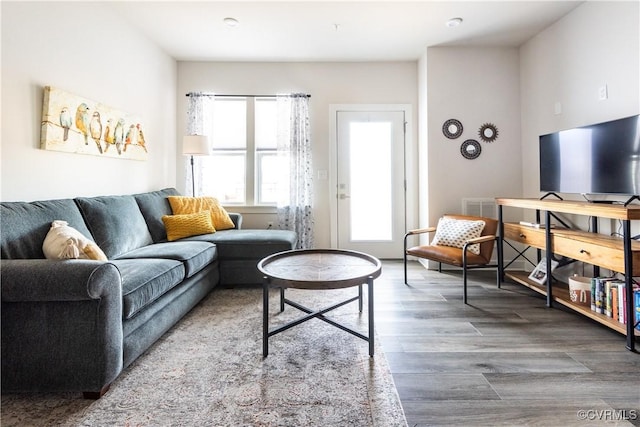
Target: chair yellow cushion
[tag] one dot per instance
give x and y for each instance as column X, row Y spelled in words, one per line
column 455, row 232
column 185, row 225
column 181, row 205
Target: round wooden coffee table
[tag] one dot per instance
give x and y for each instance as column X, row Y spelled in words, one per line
column 317, row 269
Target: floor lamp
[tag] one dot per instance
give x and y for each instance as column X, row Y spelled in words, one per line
column 195, row 145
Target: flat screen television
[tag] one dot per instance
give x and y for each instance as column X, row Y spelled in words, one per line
column 603, row 158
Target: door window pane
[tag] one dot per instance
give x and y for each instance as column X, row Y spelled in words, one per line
column 371, row 198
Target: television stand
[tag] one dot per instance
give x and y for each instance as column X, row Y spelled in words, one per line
column 618, row 254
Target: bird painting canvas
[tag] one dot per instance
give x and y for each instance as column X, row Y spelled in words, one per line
column 74, row 124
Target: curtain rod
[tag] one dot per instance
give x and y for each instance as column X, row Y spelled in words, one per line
column 239, row 96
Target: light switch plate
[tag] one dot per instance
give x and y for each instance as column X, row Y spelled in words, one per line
column 603, row 93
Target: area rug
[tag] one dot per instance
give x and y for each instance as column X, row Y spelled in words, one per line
column 209, row 371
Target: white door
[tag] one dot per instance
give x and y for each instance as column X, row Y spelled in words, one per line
column 371, row 182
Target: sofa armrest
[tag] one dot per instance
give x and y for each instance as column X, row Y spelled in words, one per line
column 237, row 219
column 44, row 280
column 61, row 325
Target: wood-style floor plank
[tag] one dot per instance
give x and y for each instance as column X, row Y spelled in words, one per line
column 504, row 359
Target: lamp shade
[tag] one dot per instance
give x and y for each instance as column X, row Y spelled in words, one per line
column 196, row 145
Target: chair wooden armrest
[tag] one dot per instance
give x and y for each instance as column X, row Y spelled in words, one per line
column 481, row 239
column 420, row 231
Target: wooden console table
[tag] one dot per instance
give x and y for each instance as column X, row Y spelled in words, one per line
column 617, row 254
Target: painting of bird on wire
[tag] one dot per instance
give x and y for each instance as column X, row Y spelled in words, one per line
column 74, row 124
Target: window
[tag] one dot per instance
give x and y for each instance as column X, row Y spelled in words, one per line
column 244, row 167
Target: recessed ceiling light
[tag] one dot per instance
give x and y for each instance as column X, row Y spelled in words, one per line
column 231, row 22
column 453, row 22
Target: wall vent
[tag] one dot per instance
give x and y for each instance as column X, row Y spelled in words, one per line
column 480, row 207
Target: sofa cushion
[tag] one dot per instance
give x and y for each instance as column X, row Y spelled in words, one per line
column 249, row 244
column 116, row 223
column 194, row 255
column 144, row 280
column 154, row 205
column 25, row 225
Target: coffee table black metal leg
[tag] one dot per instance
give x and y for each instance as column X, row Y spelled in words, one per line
column 360, row 298
column 371, row 331
column 265, row 317
column 281, row 300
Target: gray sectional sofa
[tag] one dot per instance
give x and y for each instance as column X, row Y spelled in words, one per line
column 74, row 325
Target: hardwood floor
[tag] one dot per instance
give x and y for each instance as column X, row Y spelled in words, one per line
column 504, row 359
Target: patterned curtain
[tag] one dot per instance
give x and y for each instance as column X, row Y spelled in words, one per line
column 199, row 122
column 294, row 147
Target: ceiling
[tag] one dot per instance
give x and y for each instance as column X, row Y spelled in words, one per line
column 333, row 30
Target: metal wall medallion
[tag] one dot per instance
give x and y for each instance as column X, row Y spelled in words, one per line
column 470, row 149
column 452, row 128
column 488, row 132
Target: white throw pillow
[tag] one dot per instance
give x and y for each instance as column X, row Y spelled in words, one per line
column 454, row 232
column 64, row 242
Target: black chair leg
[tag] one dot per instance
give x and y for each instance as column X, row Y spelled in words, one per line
column 405, row 267
column 464, row 277
column 464, row 286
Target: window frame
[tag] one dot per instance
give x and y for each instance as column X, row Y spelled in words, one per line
column 253, row 178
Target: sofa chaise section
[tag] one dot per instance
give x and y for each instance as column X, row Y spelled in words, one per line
column 240, row 251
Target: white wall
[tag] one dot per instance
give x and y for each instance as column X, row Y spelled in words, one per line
column 598, row 43
column 328, row 83
column 86, row 49
column 475, row 86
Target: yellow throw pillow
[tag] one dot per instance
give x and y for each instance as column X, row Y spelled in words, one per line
column 220, row 219
column 219, row 216
column 186, row 205
column 179, row 226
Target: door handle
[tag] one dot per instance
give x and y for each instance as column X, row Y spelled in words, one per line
column 343, row 196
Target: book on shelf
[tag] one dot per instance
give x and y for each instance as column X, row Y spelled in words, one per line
column 614, row 301
column 535, row 224
column 601, row 295
column 622, row 300
column 636, row 308
column 609, row 297
column 596, row 295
